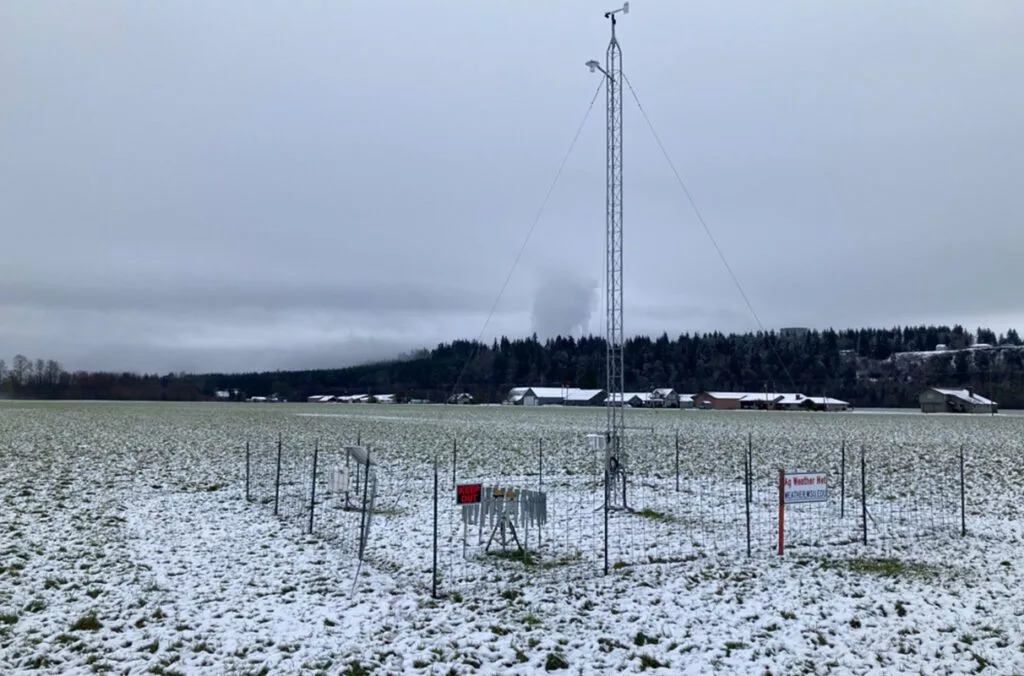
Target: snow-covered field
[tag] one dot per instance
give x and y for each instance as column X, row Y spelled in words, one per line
column 126, row 545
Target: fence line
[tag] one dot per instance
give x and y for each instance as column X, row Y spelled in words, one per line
column 684, row 499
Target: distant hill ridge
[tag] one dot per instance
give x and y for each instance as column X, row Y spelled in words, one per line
column 867, row 367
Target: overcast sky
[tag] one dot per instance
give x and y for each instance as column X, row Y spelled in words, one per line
column 251, row 185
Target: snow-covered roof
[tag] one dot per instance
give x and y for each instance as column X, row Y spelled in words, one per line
column 686, row 397
column 550, row 392
column 663, row 391
column 575, row 394
column 730, row 395
column 830, row 401
column 964, row 395
column 761, row 396
column 384, row 397
column 790, row 399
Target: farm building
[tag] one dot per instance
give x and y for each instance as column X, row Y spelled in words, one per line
column 461, row 398
column 719, row 401
column 789, row 402
column 778, row 401
column 577, row 397
column 537, row 396
column 826, row 404
column 686, row 401
column 665, row 397
column 946, row 400
column 632, row 399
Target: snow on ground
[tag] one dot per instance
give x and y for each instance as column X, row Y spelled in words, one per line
column 127, row 547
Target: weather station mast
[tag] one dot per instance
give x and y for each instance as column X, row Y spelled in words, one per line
column 615, row 455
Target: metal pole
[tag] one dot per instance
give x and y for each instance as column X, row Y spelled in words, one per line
column 677, row 461
column 540, row 480
column 247, row 471
column 782, row 510
column 277, row 477
column 455, row 457
column 864, row 494
column 364, row 521
column 312, row 487
column 606, row 507
column 433, row 580
column 746, row 479
column 963, row 496
column 842, row 481
column 750, row 465
column 614, row 340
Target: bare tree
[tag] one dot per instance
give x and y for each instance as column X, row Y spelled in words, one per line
column 53, row 373
column 21, row 367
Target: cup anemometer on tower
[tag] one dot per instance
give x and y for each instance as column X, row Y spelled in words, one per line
column 613, row 443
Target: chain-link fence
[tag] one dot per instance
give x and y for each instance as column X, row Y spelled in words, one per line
column 538, row 503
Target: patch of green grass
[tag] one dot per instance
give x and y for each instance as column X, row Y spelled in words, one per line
column 87, row 623
column 522, row 556
column 499, row 631
column 555, row 661
column 8, row 618
column 654, row 515
column 355, row 669
column 650, row 662
column 35, row 606
column 642, row 639
column 883, row 567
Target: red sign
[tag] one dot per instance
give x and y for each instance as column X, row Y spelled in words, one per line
column 466, row 494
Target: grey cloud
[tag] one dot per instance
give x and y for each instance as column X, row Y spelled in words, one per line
column 563, row 305
column 216, row 184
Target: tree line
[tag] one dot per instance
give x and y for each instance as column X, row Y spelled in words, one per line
column 867, row 367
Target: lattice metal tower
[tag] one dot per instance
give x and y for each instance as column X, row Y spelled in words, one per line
column 615, row 455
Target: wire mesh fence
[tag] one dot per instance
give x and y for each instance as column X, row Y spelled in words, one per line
column 539, row 501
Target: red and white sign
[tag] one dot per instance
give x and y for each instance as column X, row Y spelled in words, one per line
column 806, row 487
column 468, row 494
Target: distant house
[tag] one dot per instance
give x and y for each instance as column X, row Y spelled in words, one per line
column 825, row 404
column 665, row 397
column 381, row 399
column 461, row 398
column 536, row 396
column 631, row 399
column 686, row 400
column 719, row 401
column 946, row 400
column 789, row 402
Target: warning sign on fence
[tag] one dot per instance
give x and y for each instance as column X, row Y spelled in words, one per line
column 806, row 487
column 468, row 494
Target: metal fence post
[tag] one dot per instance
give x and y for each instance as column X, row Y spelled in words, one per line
column 677, row 461
column 842, row 481
column 364, row 520
column 312, row 488
column 540, row 479
column 247, row 499
column 277, row 476
column 750, row 464
column 747, row 470
column 455, row 457
column 963, row 496
column 864, row 494
column 433, row 580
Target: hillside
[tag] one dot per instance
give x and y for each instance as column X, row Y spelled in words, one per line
column 867, row 367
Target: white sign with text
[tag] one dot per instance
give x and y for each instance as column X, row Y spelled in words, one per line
column 806, row 487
